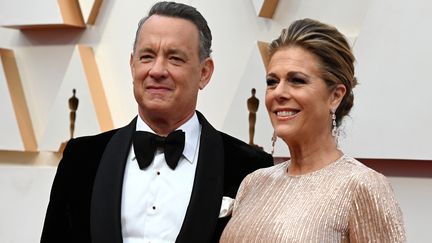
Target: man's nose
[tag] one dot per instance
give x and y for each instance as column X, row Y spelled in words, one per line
column 159, row 69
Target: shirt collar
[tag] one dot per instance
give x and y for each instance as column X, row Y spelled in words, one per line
column 192, row 129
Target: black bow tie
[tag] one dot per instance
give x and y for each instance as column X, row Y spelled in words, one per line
column 146, row 143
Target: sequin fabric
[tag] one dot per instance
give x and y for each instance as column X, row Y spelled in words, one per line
column 342, row 202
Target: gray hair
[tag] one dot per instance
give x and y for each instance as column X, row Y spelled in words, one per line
column 183, row 11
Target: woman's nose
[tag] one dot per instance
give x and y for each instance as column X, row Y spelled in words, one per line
column 282, row 91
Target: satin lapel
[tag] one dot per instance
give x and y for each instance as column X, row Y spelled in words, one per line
column 203, row 210
column 105, row 208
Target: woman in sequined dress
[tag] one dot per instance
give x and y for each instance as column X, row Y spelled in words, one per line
column 320, row 194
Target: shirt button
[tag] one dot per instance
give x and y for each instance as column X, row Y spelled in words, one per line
column 158, row 173
column 154, row 207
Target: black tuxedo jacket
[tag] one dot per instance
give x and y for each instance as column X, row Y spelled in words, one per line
column 86, row 193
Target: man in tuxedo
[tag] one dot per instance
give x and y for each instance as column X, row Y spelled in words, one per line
column 163, row 177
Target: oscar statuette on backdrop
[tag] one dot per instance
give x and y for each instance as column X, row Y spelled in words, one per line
column 252, row 105
column 73, row 106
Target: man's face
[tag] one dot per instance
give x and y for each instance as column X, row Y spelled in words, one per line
column 166, row 69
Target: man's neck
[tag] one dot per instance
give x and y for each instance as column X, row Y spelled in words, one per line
column 163, row 126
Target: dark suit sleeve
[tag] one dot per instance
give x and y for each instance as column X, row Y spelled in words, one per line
column 68, row 214
column 241, row 159
column 56, row 225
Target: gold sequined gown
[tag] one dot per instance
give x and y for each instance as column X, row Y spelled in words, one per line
column 342, row 202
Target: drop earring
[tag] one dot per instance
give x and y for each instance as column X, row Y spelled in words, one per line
column 334, row 128
column 273, row 139
column 334, row 132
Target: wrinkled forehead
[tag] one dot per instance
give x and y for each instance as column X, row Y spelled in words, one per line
column 169, row 28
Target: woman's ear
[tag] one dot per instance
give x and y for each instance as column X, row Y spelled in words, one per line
column 337, row 95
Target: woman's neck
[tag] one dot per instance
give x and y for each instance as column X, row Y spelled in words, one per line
column 312, row 155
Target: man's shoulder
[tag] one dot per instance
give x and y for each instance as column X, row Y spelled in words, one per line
column 240, row 160
column 231, row 142
column 235, row 142
column 239, row 150
column 98, row 139
column 90, row 147
column 82, row 155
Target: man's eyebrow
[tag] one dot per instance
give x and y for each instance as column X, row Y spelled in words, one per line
column 176, row 51
column 145, row 49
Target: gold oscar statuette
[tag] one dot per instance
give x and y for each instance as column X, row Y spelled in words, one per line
column 252, row 105
column 73, row 106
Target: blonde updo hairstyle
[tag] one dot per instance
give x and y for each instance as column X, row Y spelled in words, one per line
column 333, row 51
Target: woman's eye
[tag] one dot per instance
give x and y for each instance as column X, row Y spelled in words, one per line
column 271, row 82
column 298, row 80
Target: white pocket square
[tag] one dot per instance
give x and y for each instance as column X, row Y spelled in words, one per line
column 226, row 207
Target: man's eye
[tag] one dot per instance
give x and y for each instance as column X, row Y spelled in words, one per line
column 176, row 59
column 146, row 57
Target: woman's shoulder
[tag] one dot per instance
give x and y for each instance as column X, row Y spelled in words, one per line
column 363, row 176
column 266, row 173
column 357, row 168
column 276, row 169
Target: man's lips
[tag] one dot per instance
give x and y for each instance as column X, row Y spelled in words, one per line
column 158, row 89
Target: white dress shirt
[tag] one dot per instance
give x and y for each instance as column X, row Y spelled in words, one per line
column 154, row 200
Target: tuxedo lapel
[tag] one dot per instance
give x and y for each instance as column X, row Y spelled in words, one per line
column 203, row 210
column 105, row 214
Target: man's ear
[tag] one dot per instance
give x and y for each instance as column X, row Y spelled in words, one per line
column 206, row 72
column 337, row 95
column 131, row 64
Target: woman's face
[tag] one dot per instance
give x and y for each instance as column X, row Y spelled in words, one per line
column 297, row 98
